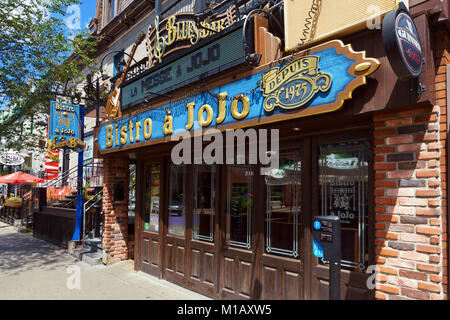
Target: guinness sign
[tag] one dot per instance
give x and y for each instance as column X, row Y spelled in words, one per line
column 402, row 43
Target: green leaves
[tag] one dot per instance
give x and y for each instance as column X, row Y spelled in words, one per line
column 36, row 52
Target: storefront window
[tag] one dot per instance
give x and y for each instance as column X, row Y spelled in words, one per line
column 204, row 203
column 283, row 195
column 239, row 205
column 152, row 189
column 343, row 178
column 177, row 212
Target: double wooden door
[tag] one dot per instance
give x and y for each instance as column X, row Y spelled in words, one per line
column 235, row 232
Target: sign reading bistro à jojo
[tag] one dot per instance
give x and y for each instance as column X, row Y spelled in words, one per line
column 64, row 126
column 314, row 82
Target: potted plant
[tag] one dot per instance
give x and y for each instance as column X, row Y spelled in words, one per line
column 14, row 202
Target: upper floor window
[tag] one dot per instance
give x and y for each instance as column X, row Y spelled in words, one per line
column 118, row 64
column 111, row 6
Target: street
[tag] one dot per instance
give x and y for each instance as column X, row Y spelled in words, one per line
column 32, row 269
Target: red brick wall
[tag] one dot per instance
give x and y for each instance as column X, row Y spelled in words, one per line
column 442, row 41
column 408, row 198
column 115, row 234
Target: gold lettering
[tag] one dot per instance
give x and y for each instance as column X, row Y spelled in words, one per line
column 130, row 124
column 209, row 112
column 203, row 32
column 123, row 135
column 168, row 124
column 109, row 136
column 190, row 107
column 117, row 139
column 222, row 107
column 245, row 107
column 138, row 127
column 147, row 128
column 220, row 25
column 171, row 31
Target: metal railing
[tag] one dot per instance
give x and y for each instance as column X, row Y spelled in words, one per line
column 93, row 216
column 66, row 184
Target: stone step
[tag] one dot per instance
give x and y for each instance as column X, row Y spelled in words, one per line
column 87, row 256
column 94, row 245
column 92, row 258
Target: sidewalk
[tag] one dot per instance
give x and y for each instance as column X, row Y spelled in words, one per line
column 34, row 269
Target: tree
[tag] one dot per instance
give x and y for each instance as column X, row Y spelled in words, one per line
column 36, row 53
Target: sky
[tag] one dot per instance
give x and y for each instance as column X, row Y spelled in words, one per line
column 85, row 12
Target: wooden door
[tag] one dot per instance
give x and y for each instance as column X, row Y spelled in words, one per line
column 342, row 181
column 203, row 262
column 176, row 245
column 150, row 246
column 262, row 254
column 190, row 247
column 238, row 267
column 282, row 258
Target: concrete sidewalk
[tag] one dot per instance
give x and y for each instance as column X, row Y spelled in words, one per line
column 34, row 269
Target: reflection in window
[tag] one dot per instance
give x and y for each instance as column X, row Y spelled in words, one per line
column 204, row 203
column 343, row 179
column 176, row 224
column 283, row 191
column 152, row 189
column 239, row 206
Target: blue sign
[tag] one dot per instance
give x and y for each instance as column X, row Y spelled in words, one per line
column 317, row 225
column 64, row 122
column 317, row 249
column 305, row 86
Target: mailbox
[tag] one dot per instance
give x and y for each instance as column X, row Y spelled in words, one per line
column 327, row 245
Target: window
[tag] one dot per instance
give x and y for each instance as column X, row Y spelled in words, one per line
column 283, row 195
column 204, row 203
column 111, row 6
column 343, row 180
column 152, row 189
column 177, row 208
column 118, row 65
column 239, row 206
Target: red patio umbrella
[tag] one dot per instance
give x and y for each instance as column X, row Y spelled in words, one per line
column 20, row 177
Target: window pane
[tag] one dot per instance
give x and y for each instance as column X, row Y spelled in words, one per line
column 343, row 178
column 151, row 222
column 176, row 200
column 283, row 191
column 239, row 205
column 204, row 203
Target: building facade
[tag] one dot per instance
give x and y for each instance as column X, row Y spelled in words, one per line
column 353, row 135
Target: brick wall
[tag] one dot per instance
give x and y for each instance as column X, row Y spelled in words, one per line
column 442, row 41
column 408, row 199
column 115, row 234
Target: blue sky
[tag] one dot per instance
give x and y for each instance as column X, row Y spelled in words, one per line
column 87, row 11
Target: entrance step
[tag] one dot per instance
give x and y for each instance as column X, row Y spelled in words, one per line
column 94, row 245
column 93, row 258
column 85, row 255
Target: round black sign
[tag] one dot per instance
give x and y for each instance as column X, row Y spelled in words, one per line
column 402, row 43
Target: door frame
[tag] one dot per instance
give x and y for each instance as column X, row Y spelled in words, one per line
column 338, row 137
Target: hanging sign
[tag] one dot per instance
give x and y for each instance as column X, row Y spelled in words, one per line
column 212, row 58
column 11, row 159
column 314, row 82
column 402, row 43
column 64, row 126
column 181, row 31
